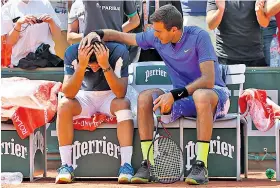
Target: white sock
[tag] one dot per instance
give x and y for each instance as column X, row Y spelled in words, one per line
column 126, row 154
column 66, row 155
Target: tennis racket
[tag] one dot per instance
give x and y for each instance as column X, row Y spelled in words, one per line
column 167, row 165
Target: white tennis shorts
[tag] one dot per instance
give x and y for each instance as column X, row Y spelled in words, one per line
column 93, row 102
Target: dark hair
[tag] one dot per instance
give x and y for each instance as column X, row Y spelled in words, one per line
column 169, row 16
column 93, row 56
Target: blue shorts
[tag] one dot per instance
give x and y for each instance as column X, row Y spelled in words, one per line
column 186, row 108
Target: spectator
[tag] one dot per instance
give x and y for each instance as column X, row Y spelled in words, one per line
column 23, row 32
column 238, row 38
column 106, row 15
column 109, row 15
column 76, row 22
column 134, row 51
column 195, row 15
column 148, row 8
column 61, row 9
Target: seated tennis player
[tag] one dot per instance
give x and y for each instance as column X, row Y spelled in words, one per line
column 199, row 90
column 93, row 83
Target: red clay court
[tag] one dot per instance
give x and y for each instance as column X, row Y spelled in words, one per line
column 256, row 179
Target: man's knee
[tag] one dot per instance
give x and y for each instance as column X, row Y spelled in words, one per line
column 65, row 105
column 121, row 108
column 202, row 96
column 144, row 98
column 120, row 104
column 205, row 97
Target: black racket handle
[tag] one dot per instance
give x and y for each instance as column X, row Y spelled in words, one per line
column 157, row 112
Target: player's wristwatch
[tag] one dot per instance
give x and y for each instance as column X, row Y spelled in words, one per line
column 107, row 69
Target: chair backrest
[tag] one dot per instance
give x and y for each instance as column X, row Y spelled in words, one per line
column 147, row 75
column 235, row 75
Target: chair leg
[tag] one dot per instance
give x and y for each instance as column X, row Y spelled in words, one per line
column 245, row 128
column 182, row 146
column 277, row 144
column 238, row 152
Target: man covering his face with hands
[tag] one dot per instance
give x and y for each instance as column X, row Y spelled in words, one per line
column 96, row 78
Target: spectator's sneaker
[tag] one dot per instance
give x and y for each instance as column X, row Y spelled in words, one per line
column 125, row 173
column 65, row 174
column 143, row 174
column 198, row 174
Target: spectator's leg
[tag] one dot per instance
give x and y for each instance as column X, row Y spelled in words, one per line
column 145, row 122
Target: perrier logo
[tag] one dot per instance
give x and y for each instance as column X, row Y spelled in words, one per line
column 155, row 72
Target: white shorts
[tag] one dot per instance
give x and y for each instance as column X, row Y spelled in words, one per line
column 93, row 102
column 200, row 21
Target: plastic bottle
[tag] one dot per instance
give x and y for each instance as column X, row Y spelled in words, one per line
column 11, row 178
column 274, row 52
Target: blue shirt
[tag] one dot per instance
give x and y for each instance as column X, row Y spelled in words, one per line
column 96, row 81
column 194, row 7
column 183, row 59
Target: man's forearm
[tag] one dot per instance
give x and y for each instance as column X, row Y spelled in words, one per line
column 201, row 83
column 263, row 20
column 272, row 8
column 117, row 85
column 214, row 18
column 73, row 37
column 131, row 24
column 55, row 30
column 71, row 87
column 128, row 26
column 126, row 38
column 13, row 35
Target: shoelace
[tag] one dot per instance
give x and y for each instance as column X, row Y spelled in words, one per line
column 64, row 168
column 126, row 170
column 196, row 169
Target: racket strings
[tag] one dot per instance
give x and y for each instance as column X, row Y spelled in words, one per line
column 168, row 160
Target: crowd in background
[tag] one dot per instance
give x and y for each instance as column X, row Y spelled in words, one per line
column 241, row 31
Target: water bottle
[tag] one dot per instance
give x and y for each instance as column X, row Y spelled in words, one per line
column 274, row 52
column 11, row 178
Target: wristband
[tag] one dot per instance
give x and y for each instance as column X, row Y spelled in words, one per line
column 179, row 93
column 100, row 33
column 107, row 69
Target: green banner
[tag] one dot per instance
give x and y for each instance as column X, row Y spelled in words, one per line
column 14, row 153
column 152, row 75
